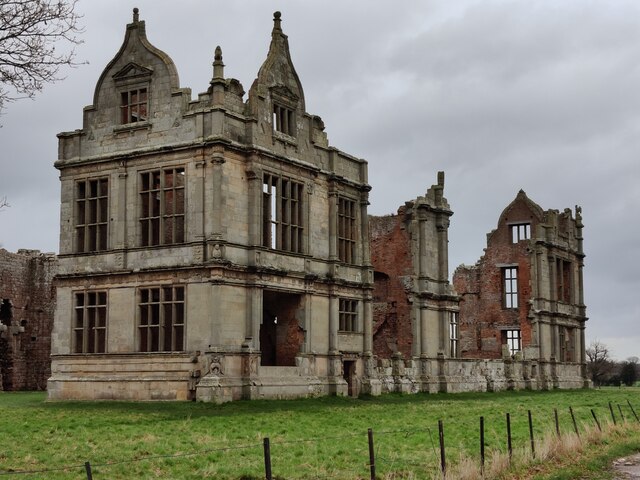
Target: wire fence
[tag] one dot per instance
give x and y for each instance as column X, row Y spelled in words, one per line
column 378, row 453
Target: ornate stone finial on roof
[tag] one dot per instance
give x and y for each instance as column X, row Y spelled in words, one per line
column 136, row 16
column 218, row 66
column 276, row 21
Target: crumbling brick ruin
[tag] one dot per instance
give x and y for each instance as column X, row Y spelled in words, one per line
column 27, row 304
column 413, row 300
column 524, row 298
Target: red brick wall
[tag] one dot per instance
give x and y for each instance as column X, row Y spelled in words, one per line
column 26, row 281
column 482, row 313
column 391, row 259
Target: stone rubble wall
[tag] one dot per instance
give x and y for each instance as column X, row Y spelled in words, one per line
column 26, row 282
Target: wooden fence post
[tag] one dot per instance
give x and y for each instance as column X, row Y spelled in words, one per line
column 267, row 459
column 612, row 415
column 443, row 463
column 633, row 411
column 621, row 415
column 509, row 447
column 533, row 448
column 573, row 419
column 372, row 458
column 87, row 467
column 596, row 419
column 482, row 445
column 555, row 414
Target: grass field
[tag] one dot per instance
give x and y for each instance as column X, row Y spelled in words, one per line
column 315, row 438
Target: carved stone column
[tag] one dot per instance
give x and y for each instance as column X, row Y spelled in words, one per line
column 254, row 177
column 217, row 196
column 367, row 329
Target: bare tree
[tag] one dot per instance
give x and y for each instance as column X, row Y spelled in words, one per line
column 598, row 362
column 30, row 30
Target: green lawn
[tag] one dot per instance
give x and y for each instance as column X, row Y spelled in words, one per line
column 315, row 438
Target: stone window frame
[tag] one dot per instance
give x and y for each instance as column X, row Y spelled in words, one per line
column 519, row 231
column 161, row 318
column 564, row 280
column 162, row 217
column 284, row 119
column 513, row 340
column 91, row 232
column 89, row 326
column 284, row 106
column 347, row 229
column 509, row 275
column 132, row 78
column 130, row 105
column 283, row 218
column 348, row 315
column 566, row 341
column 454, row 335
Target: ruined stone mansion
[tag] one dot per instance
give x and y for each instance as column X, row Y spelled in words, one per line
column 219, row 248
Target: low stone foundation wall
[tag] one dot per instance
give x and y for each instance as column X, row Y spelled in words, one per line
column 123, row 377
column 475, row 375
column 224, row 377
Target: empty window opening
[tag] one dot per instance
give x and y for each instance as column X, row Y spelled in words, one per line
column 133, row 106
column 92, row 199
column 162, row 199
column 348, row 315
column 284, row 120
column 380, row 287
column 281, row 336
column 563, row 280
column 512, row 339
column 162, row 314
column 510, row 283
column 282, row 213
column 520, row 231
column 346, row 230
column 6, row 312
column 453, row 335
column 90, row 323
column 567, row 344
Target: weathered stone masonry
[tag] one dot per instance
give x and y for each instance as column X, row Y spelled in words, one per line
column 514, row 320
column 220, row 248
column 523, row 300
column 27, row 303
column 214, row 249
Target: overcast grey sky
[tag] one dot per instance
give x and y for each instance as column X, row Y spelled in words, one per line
column 501, row 95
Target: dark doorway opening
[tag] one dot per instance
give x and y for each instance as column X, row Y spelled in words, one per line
column 280, row 333
column 349, row 374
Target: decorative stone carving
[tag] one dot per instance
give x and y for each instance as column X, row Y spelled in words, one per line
column 216, row 365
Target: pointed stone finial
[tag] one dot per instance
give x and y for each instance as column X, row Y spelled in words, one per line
column 276, row 21
column 136, row 16
column 218, row 66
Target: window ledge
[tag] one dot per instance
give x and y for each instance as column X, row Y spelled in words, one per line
column 129, row 127
column 285, row 138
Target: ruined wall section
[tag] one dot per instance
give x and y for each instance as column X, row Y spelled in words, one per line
column 27, row 304
column 482, row 311
column 393, row 270
column 484, row 315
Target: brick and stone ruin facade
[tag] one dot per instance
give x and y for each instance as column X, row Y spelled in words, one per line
column 219, row 248
column 524, row 299
column 27, row 303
